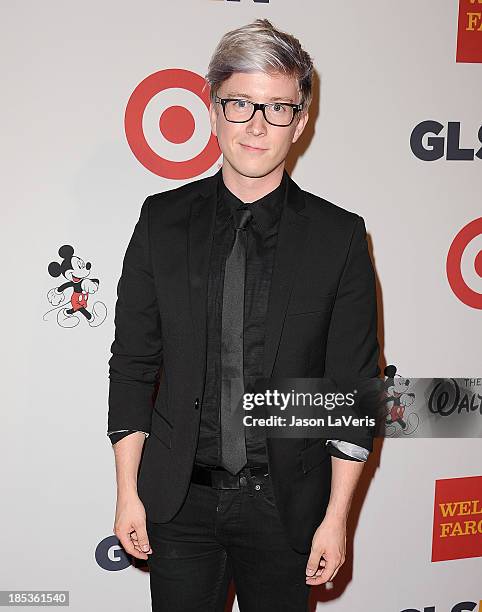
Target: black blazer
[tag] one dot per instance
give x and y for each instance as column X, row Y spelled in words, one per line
column 321, row 321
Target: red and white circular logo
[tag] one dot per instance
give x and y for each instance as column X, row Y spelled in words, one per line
column 167, row 126
column 464, row 264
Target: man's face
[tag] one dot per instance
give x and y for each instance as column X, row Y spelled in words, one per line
column 272, row 142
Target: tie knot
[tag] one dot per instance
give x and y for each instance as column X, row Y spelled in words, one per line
column 241, row 217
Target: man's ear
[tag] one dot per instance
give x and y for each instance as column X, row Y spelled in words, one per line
column 300, row 126
column 213, row 118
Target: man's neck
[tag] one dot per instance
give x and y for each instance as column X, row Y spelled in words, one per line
column 249, row 189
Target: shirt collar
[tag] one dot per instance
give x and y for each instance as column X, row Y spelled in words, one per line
column 266, row 210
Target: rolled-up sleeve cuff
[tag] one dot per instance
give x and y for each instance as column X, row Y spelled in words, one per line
column 347, row 450
column 117, row 435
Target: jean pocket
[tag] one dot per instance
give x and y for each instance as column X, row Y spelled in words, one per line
column 266, row 491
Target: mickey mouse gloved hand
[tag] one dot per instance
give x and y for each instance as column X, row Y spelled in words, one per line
column 89, row 285
column 55, row 297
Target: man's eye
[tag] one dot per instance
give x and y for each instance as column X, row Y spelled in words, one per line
column 241, row 103
column 279, row 108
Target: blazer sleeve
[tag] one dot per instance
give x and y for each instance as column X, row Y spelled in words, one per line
column 137, row 346
column 352, row 346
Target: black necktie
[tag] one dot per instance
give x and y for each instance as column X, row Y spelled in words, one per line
column 233, row 444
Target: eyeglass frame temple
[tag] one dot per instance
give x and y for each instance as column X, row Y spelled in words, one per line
column 258, row 106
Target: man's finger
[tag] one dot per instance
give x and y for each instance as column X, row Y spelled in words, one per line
column 320, row 569
column 337, row 569
column 329, row 570
column 129, row 547
column 313, row 562
column 142, row 539
column 135, row 541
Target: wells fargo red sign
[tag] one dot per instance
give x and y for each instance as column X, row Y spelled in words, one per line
column 457, row 518
column 469, row 38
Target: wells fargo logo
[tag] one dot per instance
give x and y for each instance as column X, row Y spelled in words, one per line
column 469, row 38
column 457, row 523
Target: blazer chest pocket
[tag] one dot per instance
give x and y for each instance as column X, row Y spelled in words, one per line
column 314, row 455
column 161, row 428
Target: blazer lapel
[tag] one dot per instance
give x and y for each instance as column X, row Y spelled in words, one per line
column 292, row 233
column 293, row 227
column 200, row 237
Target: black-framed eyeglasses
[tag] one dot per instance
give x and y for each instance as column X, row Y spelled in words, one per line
column 238, row 110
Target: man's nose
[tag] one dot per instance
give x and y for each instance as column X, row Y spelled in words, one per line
column 257, row 121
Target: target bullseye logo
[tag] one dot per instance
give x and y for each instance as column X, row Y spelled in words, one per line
column 167, row 124
column 464, row 264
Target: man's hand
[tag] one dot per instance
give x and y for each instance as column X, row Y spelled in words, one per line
column 130, row 526
column 329, row 542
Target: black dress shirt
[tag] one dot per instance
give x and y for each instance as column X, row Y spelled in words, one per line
column 262, row 233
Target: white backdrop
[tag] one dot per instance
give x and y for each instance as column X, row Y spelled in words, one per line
column 71, row 178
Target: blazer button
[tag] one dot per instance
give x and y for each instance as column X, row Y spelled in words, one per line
column 196, row 404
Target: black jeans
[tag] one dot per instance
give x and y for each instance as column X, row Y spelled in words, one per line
column 220, row 534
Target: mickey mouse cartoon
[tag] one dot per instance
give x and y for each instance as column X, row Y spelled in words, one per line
column 76, row 271
column 398, row 399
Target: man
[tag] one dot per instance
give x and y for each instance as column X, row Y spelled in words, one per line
column 241, row 274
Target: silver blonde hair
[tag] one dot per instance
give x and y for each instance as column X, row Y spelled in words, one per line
column 260, row 47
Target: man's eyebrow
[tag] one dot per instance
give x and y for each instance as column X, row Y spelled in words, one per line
column 237, row 94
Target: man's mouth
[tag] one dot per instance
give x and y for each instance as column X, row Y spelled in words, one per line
column 249, row 148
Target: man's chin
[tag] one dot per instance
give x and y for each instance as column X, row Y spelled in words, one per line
column 254, row 170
